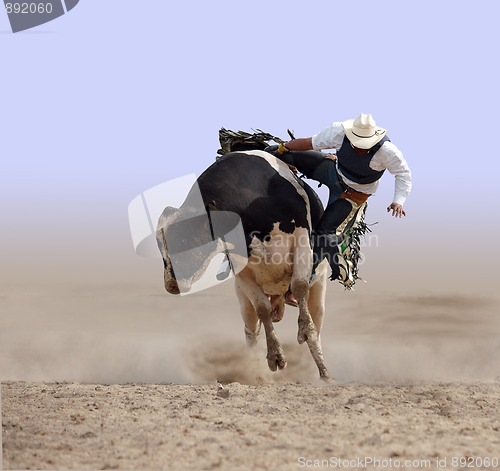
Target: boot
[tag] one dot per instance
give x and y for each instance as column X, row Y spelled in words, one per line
column 329, row 246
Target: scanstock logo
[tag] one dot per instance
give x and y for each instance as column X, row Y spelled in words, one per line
column 28, row 14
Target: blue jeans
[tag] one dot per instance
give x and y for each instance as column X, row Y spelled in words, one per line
column 314, row 165
column 326, row 173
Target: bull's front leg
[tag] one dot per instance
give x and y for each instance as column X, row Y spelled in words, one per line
column 250, row 318
column 275, row 355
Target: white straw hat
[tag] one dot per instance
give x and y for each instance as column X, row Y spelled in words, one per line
column 362, row 132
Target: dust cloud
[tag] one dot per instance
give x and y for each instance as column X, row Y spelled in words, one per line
column 122, row 335
column 114, row 323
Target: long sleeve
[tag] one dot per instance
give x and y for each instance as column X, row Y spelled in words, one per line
column 330, row 138
column 391, row 158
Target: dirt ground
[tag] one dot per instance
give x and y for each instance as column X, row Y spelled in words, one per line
column 278, row 426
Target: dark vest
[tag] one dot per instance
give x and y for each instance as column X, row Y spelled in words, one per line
column 356, row 167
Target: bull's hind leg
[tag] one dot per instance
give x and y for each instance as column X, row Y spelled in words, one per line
column 317, row 294
column 308, row 331
column 262, row 307
column 316, row 304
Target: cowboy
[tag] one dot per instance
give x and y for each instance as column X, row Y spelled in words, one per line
column 352, row 174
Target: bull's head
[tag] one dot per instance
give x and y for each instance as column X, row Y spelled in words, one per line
column 188, row 242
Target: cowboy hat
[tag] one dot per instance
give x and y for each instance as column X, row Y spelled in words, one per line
column 362, row 132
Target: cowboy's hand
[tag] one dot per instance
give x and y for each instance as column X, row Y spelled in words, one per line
column 331, row 157
column 276, row 150
column 272, row 150
column 397, row 210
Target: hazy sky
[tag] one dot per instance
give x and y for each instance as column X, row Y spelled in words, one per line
column 117, row 96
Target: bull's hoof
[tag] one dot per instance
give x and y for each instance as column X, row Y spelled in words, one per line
column 276, row 361
column 301, row 337
column 327, row 378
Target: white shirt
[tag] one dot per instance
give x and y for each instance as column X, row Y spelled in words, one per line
column 387, row 157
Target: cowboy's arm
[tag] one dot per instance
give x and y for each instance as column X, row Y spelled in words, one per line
column 393, row 160
column 299, row 144
column 329, row 138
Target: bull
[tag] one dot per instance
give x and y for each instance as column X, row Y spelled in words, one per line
column 277, row 213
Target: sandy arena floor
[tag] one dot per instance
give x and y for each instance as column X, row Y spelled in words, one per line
column 278, row 426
